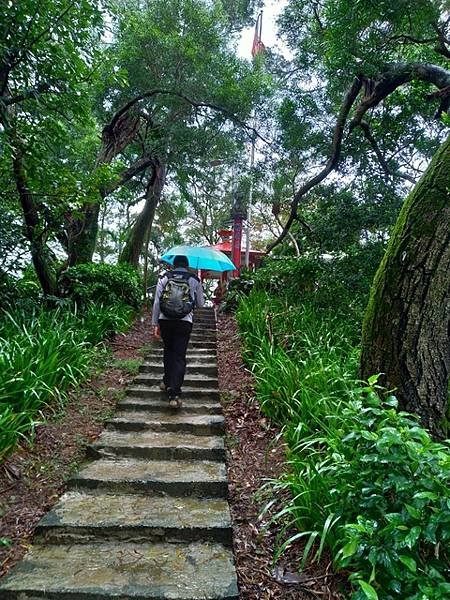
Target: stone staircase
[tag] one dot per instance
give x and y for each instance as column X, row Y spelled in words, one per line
column 147, row 518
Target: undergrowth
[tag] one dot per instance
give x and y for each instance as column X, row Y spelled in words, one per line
column 42, row 354
column 367, row 482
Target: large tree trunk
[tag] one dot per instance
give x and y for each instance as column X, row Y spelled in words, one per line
column 41, row 256
column 82, row 235
column 406, row 330
column 143, row 224
column 82, row 229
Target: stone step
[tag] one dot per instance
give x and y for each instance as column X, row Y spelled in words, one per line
column 81, row 517
column 193, row 367
column 189, row 406
column 191, row 380
column 189, row 393
column 157, row 446
column 124, row 571
column 142, row 421
column 203, row 344
column 207, row 479
column 200, row 334
column 191, row 355
column 196, row 344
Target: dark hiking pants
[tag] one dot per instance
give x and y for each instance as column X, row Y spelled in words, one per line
column 175, row 336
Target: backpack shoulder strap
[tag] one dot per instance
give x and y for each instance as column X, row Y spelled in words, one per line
column 185, row 274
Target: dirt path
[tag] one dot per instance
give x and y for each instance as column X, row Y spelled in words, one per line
column 255, row 455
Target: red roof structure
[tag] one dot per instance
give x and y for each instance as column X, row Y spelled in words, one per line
column 225, row 246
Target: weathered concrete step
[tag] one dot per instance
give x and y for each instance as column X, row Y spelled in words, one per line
column 189, row 406
column 206, row 479
column 191, row 355
column 83, row 517
column 202, row 344
column 124, row 571
column 189, row 393
column 158, row 446
column 193, row 367
column 190, row 381
column 207, row 335
column 194, row 345
column 142, row 421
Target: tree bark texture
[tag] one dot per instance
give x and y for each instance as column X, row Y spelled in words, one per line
column 82, row 235
column 82, row 229
column 143, row 224
column 40, row 254
column 406, row 330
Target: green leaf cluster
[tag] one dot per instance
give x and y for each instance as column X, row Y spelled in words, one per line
column 42, row 354
column 103, row 284
column 366, row 482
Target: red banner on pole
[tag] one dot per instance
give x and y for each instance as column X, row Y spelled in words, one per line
column 258, row 47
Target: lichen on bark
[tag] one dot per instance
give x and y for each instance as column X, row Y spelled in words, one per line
column 406, row 330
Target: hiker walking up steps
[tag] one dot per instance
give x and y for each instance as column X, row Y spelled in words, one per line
column 177, row 293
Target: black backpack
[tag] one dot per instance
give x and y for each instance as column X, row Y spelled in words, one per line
column 176, row 301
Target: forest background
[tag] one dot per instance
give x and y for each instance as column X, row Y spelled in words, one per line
column 125, row 128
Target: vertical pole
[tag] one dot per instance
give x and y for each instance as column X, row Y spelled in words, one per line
column 145, row 278
column 237, row 240
column 250, row 201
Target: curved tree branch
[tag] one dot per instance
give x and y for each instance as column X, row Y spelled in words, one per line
column 137, row 167
column 349, row 100
column 151, row 93
column 394, row 77
column 375, row 91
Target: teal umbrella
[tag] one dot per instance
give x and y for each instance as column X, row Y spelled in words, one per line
column 201, row 257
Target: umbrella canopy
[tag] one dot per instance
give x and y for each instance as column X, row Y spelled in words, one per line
column 201, row 257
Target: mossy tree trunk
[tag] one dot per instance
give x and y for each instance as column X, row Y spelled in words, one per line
column 82, row 235
column 141, row 228
column 42, row 257
column 406, row 330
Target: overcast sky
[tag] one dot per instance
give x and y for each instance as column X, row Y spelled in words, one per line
column 269, row 29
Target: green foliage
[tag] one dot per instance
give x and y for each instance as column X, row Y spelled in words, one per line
column 366, row 482
column 108, row 285
column 237, row 289
column 342, row 281
column 21, row 293
column 41, row 356
column 392, row 485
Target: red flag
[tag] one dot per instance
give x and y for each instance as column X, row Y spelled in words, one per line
column 258, row 47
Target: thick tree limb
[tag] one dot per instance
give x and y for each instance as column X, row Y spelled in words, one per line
column 375, row 91
column 117, row 135
column 26, row 94
column 137, row 167
column 347, row 104
column 396, row 76
column 161, row 92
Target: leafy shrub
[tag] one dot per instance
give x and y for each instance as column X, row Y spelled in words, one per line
column 8, row 291
column 43, row 354
column 23, row 293
column 238, row 288
column 366, row 482
column 103, row 284
column 392, row 490
column 342, row 282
